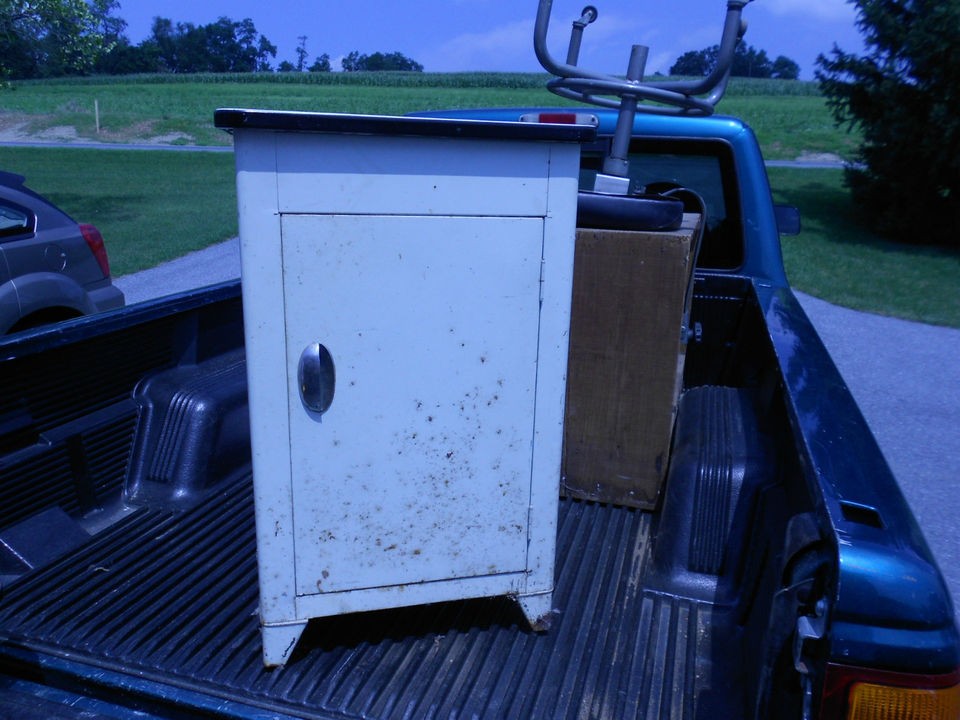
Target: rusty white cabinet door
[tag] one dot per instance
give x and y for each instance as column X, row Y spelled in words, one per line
column 420, row 470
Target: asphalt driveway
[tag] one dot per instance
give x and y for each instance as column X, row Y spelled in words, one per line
column 906, row 379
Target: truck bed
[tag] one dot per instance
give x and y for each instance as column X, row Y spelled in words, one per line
column 171, row 598
column 138, row 601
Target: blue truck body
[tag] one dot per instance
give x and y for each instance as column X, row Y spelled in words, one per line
column 891, row 607
column 147, row 606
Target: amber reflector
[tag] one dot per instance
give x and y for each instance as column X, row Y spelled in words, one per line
column 883, row 702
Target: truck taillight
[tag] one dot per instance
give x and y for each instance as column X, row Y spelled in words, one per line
column 95, row 243
column 853, row 693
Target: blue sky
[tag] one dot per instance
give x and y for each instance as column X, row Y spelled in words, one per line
column 451, row 35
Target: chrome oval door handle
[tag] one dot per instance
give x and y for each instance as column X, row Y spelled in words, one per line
column 317, row 378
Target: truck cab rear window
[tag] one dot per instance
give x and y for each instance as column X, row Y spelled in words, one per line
column 704, row 167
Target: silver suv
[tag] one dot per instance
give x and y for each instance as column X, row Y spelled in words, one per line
column 51, row 267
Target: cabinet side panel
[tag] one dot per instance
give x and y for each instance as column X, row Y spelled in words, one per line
column 263, row 326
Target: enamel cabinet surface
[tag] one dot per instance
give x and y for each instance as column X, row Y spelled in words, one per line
column 406, row 296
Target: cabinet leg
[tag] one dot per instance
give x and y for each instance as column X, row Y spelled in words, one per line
column 279, row 641
column 538, row 609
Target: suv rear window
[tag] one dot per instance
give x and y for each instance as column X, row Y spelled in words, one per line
column 706, row 167
column 13, row 220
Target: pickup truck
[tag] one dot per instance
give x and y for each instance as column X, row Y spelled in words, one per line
column 781, row 573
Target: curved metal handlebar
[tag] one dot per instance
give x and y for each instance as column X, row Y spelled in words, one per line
column 679, row 95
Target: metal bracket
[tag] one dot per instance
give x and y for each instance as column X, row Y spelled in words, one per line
column 687, row 333
column 809, row 629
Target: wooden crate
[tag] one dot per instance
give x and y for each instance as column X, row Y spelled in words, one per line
column 626, row 360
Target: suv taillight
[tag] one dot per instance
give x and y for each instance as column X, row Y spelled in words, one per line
column 854, row 693
column 95, row 243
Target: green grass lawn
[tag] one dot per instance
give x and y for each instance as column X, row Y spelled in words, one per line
column 834, row 258
column 151, row 206
column 155, row 206
column 789, row 117
column 141, row 108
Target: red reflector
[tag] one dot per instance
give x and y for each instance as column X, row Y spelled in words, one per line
column 559, row 118
column 95, row 243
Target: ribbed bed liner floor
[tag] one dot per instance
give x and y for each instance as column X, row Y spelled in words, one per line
column 173, row 598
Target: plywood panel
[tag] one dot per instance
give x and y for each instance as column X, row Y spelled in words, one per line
column 626, row 361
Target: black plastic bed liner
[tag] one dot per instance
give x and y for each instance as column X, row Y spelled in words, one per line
column 166, row 604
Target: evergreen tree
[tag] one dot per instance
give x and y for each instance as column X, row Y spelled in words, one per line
column 902, row 94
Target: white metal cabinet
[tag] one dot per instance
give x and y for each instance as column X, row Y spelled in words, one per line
column 432, row 261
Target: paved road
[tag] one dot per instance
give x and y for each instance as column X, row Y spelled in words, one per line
column 905, row 377
column 81, row 145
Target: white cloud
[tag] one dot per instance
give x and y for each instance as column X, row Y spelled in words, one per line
column 828, row 10
column 661, row 62
column 668, row 32
column 666, row 46
column 508, row 46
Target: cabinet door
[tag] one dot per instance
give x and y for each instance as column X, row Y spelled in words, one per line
column 421, row 468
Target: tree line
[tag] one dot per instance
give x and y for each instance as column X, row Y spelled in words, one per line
column 227, row 46
column 747, row 62
column 354, row 62
column 53, row 38
column 56, row 38
column 901, row 94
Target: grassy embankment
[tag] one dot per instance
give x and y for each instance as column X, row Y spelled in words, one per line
column 158, row 205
